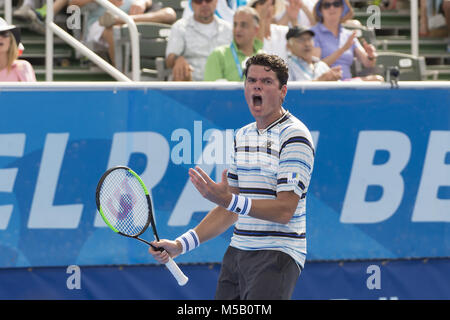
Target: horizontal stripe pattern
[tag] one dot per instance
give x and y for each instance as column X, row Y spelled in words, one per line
column 267, row 233
column 265, row 163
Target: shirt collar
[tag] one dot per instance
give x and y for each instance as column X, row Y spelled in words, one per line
column 281, row 119
column 257, row 46
column 325, row 29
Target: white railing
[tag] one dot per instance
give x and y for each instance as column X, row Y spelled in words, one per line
column 414, row 16
column 8, row 11
column 52, row 28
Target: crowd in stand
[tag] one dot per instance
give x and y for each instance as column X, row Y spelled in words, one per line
column 214, row 38
column 308, row 34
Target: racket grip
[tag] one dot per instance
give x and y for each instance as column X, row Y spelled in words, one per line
column 176, row 272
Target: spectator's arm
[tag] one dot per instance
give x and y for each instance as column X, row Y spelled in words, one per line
column 308, row 14
column 366, row 54
column 336, row 54
column 170, row 60
column 291, row 13
column 80, row 3
column 181, row 69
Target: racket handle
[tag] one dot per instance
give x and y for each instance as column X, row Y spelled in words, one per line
column 176, row 272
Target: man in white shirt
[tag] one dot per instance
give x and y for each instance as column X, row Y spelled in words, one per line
column 192, row 39
column 302, row 64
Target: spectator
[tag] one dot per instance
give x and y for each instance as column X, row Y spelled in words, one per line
column 297, row 13
column 99, row 35
column 36, row 17
column 336, row 45
column 273, row 35
column 227, row 62
column 302, row 64
column 12, row 69
column 225, row 9
column 192, row 40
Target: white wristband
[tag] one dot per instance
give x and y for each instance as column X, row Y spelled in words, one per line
column 189, row 241
column 240, row 205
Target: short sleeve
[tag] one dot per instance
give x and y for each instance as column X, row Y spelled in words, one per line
column 176, row 41
column 26, row 71
column 296, row 163
column 232, row 176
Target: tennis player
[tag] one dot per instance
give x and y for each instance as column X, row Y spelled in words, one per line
column 263, row 194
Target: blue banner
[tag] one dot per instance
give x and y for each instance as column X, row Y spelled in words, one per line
column 380, row 187
column 369, row 280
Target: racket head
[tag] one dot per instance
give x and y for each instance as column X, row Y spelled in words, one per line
column 124, row 203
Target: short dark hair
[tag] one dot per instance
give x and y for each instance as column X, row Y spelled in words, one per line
column 272, row 62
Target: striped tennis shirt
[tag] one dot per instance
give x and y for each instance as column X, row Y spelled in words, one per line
column 265, row 162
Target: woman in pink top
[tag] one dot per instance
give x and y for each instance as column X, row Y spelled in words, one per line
column 12, row 69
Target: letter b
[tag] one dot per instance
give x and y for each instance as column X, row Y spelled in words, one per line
column 356, row 209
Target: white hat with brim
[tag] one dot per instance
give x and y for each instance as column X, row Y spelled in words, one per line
column 4, row 26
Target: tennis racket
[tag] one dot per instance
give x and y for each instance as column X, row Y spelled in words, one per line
column 125, row 205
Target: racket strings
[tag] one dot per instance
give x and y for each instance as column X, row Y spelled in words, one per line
column 124, row 203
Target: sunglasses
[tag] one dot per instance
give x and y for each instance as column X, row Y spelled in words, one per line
column 5, row 34
column 201, row 1
column 327, row 5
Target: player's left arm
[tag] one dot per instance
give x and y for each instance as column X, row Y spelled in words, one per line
column 278, row 210
column 294, row 173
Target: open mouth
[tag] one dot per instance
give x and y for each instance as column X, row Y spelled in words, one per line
column 257, row 100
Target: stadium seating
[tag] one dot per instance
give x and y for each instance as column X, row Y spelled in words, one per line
column 153, row 41
column 392, row 36
column 411, row 68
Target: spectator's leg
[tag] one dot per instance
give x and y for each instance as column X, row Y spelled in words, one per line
column 58, row 5
column 164, row 15
column 423, row 27
column 108, row 37
column 446, row 9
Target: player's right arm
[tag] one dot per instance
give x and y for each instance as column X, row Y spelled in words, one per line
column 216, row 222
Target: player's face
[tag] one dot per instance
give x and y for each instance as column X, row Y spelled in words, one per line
column 264, row 95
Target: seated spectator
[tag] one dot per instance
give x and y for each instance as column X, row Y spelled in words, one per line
column 336, row 45
column 36, row 16
column 273, row 35
column 99, row 32
column 297, row 13
column 302, row 64
column 227, row 62
column 192, row 40
column 12, row 69
column 224, row 10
